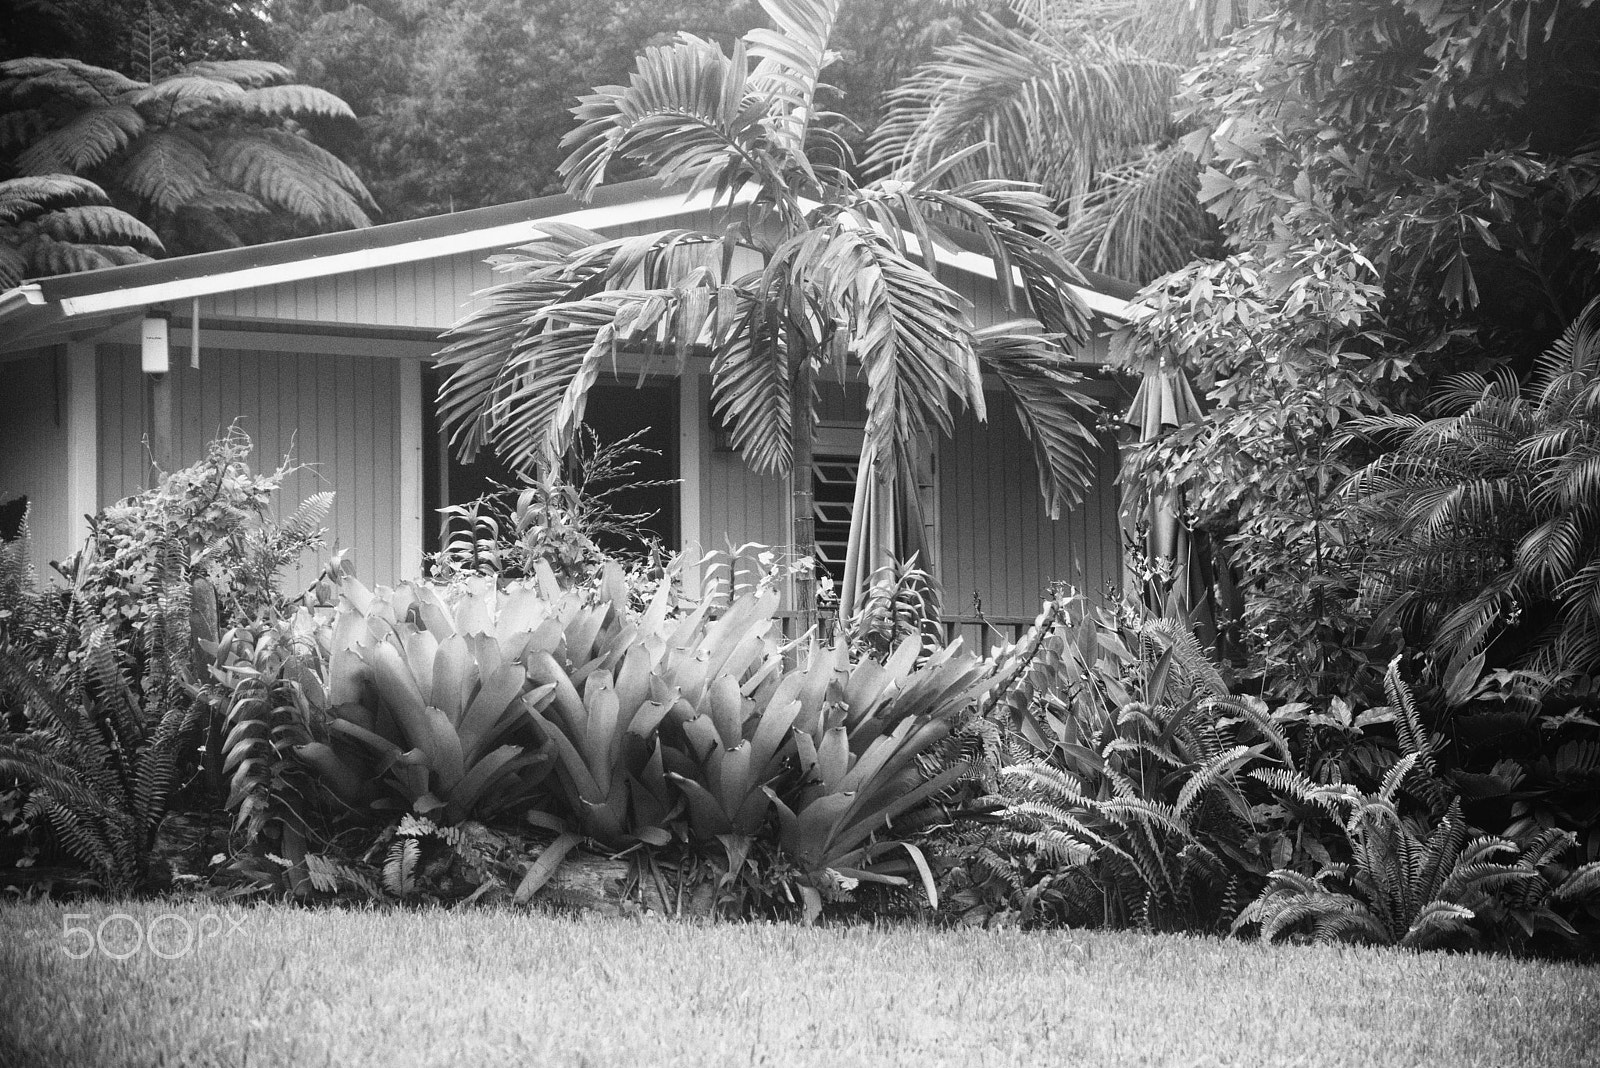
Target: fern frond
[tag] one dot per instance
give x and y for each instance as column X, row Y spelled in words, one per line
column 399, row 871
column 86, row 141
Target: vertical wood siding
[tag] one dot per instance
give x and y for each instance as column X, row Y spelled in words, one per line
column 996, row 540
column 33, row 450
column 738, row 505
column 337, row 416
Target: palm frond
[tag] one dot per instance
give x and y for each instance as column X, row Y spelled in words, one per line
column 98, row 224
column 79, row 82
column 1055, row 417
column 1142, row 219
column 687, row 115
column 291, row 101
column 1052, row 115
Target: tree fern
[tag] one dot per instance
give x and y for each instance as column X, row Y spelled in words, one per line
column 53, row 224
column 204, row 149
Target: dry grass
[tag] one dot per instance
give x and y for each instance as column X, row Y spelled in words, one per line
column 403, row 989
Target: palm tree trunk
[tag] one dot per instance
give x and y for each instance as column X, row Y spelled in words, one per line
column 802, row 442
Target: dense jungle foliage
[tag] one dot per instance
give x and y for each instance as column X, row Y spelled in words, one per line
column 1385, row 301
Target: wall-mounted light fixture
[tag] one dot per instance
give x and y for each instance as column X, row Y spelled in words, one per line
column 154, row 356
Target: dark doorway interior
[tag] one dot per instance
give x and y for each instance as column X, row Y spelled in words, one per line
column 615, row 409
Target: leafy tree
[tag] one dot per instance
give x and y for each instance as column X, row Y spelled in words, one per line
column 438, row 85
column 1452, row 144
column 1288, row 353
column 117, row 33
column 838, row 281
column 198, row 154
column 1444, row 146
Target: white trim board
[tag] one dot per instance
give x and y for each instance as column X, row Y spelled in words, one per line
column 408, row 252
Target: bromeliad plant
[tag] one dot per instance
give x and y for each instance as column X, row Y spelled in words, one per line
column 426, row 688
column 863, row 764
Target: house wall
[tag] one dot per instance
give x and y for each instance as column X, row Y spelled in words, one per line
column 996, row 540
column 33, row 448
column 339, row 417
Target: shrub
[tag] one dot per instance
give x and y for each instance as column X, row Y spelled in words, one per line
column 1123, row 798
column 98, row 756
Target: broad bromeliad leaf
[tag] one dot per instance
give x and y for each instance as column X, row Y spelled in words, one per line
column 430, row 698
column 859, row 766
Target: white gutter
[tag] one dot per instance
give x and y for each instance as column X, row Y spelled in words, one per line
column 20, row 297
column 386, row 256
column 494, row 237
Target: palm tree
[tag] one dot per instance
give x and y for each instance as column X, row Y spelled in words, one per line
column 1077, row 97
column 1484, row 522
column 196, row 154
column 848, row 276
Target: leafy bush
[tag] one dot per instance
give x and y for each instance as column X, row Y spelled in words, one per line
column 1485, row 521
column 219, row 512
column 1406, row 884
column 98, row 756
column 561, row 517
column 1414, row 878
column 1123, row 798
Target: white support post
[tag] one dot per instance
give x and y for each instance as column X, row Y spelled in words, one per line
column 83, row 443
column 691, row 446
column 410, row 469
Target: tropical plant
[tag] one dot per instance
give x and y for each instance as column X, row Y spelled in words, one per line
column 222, row 514
column 99, row 755
column 426, row 693
column 274, row 699
column 559, row 517
column 841, row 279
column 1408, row 885
column 197, row 153
column 1078, row 98
column 864, row 765
column 1123, row 797
column 1484, row 521
column 59, row 223
column 901, row 601
column 1288, row 354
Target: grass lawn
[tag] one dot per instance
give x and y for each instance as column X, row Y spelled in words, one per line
column 282, row 986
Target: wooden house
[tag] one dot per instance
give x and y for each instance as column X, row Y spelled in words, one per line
column 321, row 347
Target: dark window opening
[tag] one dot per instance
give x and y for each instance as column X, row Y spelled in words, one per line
column 614, row 410
column 833, row 490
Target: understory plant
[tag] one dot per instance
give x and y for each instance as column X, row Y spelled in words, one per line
column 1123, row 797
column 98, row 755
column 1409, row 870
column 1485, row 518
column 1407, row 883
column 699, row 732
